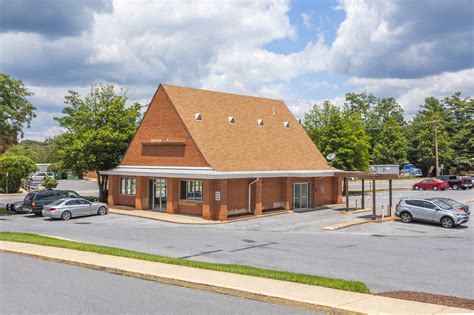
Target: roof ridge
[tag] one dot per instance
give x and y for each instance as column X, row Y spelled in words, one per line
column 219, row 92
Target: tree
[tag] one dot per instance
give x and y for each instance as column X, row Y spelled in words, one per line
column 23, row 150
column 15, row 110
column 392, row 145
column 99, row 128
column 14, row 169
column 461, row 130
column 49, row 183
column 431, row 120
column 340, row 132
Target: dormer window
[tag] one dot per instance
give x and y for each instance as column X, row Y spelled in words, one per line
column 231, row 119
column 286, row 124
column 260, row 122
column 198, row 117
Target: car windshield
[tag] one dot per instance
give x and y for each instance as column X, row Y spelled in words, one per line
column 29, row 197
column 452, row 202
column 443, row 205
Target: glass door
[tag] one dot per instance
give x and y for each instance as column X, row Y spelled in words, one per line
column 301, row 196
column 157, row 194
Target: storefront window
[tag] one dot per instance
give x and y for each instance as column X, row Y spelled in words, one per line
column 191, row 190
column 127, row 186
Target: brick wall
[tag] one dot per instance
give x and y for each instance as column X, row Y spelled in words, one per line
column 161, row 122
column 276, row 193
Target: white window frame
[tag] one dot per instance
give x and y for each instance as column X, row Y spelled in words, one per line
column 128, row 186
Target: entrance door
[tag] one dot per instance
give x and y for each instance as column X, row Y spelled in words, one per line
column 157, row 194
column 301, row 196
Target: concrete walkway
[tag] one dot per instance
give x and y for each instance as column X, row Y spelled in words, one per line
column 312, row 297
column 187, row 219
column 161, row 216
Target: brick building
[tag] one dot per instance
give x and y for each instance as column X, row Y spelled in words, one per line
column 215, row 155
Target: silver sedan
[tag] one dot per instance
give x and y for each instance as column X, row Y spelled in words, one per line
column 68, row 208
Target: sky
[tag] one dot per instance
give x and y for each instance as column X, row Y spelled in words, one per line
column 300, row 51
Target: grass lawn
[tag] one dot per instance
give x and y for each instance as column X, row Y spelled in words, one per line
column 3, row 209
column 347, row 285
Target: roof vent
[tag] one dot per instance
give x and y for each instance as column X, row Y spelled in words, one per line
column 231, row 119
column 198, row 117
column 260, row 122
column 286, row 124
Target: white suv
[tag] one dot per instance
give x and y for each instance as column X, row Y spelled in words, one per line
column 39, row 176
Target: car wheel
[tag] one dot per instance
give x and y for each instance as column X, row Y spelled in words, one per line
column 38, row 214
column 102, row 211
column 405, row 217
column 447, row 222
column 417, row 187
column 455, row 186
column 66, row 215
column 435, row 188
column 463, row 188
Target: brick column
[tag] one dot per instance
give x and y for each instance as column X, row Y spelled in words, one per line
column 288, row 193
column 259, row 197
column 141, row 201
column 337, row 191
column 114, row 182
column 221, row 206
column 172, row 195
column 207, row 195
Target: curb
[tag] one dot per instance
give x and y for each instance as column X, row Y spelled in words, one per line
column 192, row 285
column 344, row 225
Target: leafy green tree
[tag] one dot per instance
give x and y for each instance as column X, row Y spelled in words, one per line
column 431, row 120
column 15, row 110
column 23, row 150
column 50, row 183
column 392, row 145
column 14, row 169
column 461, row 130
column 98, row 128
column 339, row 131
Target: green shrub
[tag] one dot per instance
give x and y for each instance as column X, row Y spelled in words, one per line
column 49, row 183
column 13, row 169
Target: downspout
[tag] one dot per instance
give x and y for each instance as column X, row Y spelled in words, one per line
column 250, row 194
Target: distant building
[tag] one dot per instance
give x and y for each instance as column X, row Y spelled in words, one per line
column 385, row 169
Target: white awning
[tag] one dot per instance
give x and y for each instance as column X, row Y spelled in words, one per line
column 209, row 173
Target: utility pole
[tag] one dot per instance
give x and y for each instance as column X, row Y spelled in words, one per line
column 436, row 148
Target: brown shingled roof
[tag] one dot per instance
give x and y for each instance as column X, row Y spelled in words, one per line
column 245, row 145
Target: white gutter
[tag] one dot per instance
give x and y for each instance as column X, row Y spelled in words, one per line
column 209, row 173
column 250, row 194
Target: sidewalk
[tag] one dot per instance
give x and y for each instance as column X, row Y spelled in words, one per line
column 187, row 219
column 161, row 216
column 312, row 297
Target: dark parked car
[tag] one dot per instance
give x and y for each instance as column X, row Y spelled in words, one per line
column 15, row 206
column 35, row 201
column 456, row 182
column 429, row 183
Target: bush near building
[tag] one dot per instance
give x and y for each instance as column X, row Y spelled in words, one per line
column 14, row 169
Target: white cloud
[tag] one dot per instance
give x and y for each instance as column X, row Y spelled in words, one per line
column 411, row 93
column 221, row 45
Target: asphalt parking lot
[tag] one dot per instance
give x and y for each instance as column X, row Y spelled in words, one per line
column 386, row 256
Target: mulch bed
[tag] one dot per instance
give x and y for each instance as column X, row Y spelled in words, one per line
column 431, row 298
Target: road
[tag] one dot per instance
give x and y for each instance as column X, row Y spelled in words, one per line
column 382, row 184
column 386, row 256
column 29, row 285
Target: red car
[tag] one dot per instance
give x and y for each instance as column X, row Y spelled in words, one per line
column 434, row 184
